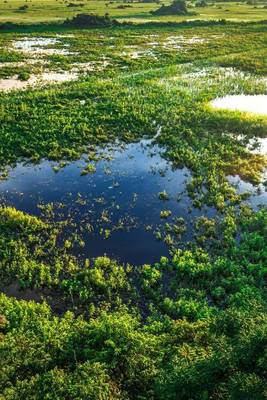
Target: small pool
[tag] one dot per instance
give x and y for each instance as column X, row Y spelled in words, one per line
column 116, row 207
column 117, row 199
column 256, row 104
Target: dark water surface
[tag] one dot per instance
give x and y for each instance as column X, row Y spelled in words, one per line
column 116, row 209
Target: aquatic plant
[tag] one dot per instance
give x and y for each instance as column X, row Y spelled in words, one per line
column 163, row 195
column 165, row 213
column 89, row 169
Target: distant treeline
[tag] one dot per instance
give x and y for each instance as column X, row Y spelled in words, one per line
column 78, row 21
column 85, row 21
column 91, row 20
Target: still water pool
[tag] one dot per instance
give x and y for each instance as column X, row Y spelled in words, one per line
column 256, row 104
column 119, row 208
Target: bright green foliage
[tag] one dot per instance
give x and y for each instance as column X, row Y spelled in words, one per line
column 195, row 328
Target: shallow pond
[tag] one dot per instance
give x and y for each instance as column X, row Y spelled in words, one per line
column 30, row 44
column 258, row 145
column 40, row 45
column 248, row 103
column 117, row 205
column 116, row 208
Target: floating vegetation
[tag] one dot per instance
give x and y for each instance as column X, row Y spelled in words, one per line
column 165, row 213
column 163, row 195
column 89, row 169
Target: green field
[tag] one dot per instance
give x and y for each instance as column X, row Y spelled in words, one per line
column 118, row 280
column 51, row 10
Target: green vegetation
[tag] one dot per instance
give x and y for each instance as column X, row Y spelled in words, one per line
column 190, row 327
column 140, row 11
column 165, row 213
column 178, row 7
column 193, row 325
column 89, row 169
column 89, row 21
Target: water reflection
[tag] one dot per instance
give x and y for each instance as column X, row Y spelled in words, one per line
column 248, row 103
column 117, row 209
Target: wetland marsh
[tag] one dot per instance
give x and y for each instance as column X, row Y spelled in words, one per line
column 115, row 206
column 133, row 206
